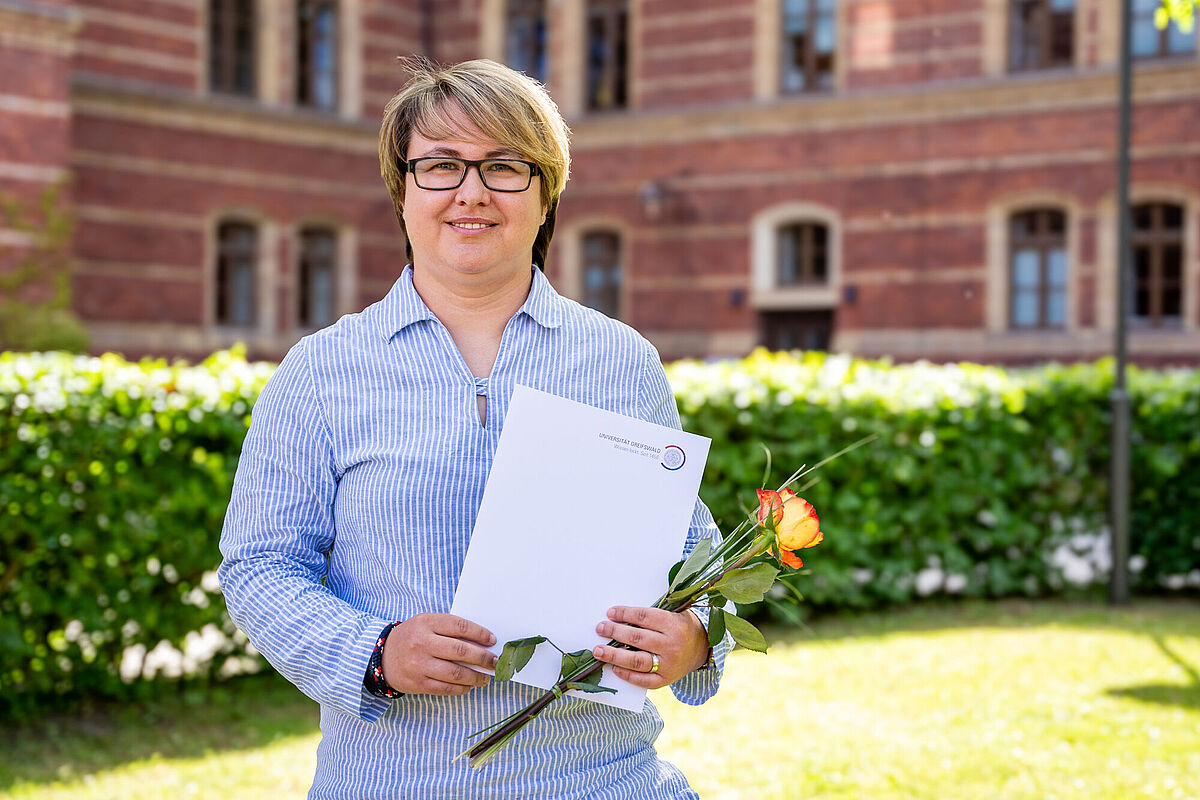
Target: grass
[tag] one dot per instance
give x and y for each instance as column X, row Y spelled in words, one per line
column 1045, row 701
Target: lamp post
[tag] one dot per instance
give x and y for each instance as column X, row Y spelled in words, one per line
column 1118, row 500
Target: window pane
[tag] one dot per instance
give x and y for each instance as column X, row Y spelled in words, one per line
column 1025, row 309
column 1180, row 42
column 1062, row 5
column 602, row 272
column 1172, row 262
column 1143, row 216
column 1145, row 38
column 324, row 55
column 1026, row 269
column 321, row 296
column 1173, row 216
column 242, row 293
column 1056, row 263
column 789, row 255
column 1172, row 303
column 1056, row 308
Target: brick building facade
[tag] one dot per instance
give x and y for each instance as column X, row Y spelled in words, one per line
column 921, row 178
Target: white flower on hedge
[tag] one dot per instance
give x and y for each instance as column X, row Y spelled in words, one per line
column 927, row 439
column 955, row 583
column 929, row 580
column 73, row 630
column 163, row 658
column 1174, row 582
column 1193, row 578
column 986, row 518
column 1137, row 562
column 209, row 582
column 133, row 658
column 862, row 575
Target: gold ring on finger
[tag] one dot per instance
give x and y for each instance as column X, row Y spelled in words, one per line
column 654, row 663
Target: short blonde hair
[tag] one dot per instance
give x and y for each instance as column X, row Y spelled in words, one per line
column 507, row 106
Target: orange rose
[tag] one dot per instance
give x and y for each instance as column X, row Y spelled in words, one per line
column 796, row 522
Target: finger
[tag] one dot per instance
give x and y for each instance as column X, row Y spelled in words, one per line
column 646, row 680
column 631, row 660
column 434, row 686
column 459, row 628
column 641, row 638
column 449, row 649
column 456, row 674
column 653, row 618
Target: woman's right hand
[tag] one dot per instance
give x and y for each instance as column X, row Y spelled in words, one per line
column 426, row 654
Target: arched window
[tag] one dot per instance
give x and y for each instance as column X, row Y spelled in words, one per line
column 1041, row 34
column 236, row 274
column 809, row 45
column 607, row 54
column 317, row 278
column 1157, row 264
column 525, row 47
column 1038, row 269
column 602, row 272
column 231, row 46
column 317, row 54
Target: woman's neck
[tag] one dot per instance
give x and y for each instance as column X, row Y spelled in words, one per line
column 474, row 303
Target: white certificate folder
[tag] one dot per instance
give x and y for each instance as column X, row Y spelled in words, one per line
column 584, row 509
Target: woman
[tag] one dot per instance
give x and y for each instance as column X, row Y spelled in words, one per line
column 365, row 464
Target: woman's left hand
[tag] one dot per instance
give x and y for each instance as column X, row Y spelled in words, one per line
column 676, row 637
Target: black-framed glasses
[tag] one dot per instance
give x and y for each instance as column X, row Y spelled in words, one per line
column 439, row 173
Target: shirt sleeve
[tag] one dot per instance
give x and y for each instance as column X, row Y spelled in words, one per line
column 657, row 405
column 278, row 533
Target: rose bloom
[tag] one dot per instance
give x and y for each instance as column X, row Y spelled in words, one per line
column 796, row 522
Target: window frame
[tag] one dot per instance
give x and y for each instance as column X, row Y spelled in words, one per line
column 224, row 254
column 226, row 50
column 302, row 318
column 307, row 77
column 518, row 11
column 810, row 74
column 1145, row 17
column 1046, row 22
column 613, row 291
column 1157, row 238
column 1044, row 241
column 615, row 68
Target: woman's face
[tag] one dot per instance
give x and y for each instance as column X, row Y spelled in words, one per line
column 470, row 230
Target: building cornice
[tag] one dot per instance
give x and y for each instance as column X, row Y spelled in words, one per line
column 104, row 96
column 1051, row 91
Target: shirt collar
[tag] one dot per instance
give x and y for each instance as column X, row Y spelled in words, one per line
column 403, row 306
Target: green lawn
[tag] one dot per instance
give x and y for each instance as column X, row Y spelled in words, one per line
column 1041, row 700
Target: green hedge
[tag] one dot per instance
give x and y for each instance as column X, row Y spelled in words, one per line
column 114, row 479
column 982, row 481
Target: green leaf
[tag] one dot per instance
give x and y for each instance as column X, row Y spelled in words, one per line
column 694, row 563
column 674, row 571
column 573, row 661
column 745, row 634
column 749, row 584
column 515, row 656
column 590, row 688
column 716, row 627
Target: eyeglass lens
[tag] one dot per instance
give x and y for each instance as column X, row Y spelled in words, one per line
column 500, row 174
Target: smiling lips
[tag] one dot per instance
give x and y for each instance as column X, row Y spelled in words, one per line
column 470, row 224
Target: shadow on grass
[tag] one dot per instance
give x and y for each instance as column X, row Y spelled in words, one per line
column 1174, row 694
column 245, row 713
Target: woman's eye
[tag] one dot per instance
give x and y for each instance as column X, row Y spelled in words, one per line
column 446, row 166
column 498, row 166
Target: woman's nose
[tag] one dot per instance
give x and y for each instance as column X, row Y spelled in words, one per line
column 472, row 188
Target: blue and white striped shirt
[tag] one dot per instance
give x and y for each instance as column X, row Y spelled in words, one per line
column 353, row 505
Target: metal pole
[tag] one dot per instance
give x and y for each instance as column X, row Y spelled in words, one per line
column 1118, row 588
